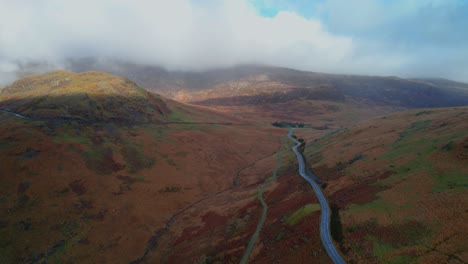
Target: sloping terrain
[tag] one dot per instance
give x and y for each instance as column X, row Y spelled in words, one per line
column 397, row 188
column 147, row 179
column 98, row 191
column 253, row 80
column 89, row 96
column 400, row 183
column 265, row 94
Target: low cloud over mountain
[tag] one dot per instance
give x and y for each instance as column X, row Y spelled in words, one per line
column 328, row 36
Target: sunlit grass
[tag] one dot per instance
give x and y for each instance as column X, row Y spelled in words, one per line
column 302, row 212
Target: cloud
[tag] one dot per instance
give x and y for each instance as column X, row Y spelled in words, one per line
column 329, row 36
column 177, row 34
column 404, row 37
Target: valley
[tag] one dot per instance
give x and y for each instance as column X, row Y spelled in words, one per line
column 234, row 131
column 114, row 173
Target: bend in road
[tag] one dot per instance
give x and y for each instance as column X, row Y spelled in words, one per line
column 325, row 215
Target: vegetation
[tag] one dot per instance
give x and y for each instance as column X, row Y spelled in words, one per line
column 288, row 124
column 302, row 212
column 135, row 158
column 377, row 205
column 424, row 113
column 454, row 179
column 356, row 158
column 170, row 189
column 69, row 138
column 336, row 228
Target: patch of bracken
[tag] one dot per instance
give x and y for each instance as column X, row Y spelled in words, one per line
column 78, row 187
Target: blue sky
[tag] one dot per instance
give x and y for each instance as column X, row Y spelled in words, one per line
column 428, row 33
column 307, row 9
column 407, row 38
column 424, row 22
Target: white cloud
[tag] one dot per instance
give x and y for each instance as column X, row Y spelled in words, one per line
column 365, row 36
column 178, row 34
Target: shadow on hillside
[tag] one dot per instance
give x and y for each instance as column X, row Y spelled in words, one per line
column 320, row 93
column 389, row 91
column 84, row 108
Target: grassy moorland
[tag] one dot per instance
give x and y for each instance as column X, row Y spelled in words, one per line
column 400, row 182
column 97, row 191
column 106, row 171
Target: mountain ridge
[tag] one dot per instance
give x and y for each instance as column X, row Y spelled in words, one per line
column 411, row 93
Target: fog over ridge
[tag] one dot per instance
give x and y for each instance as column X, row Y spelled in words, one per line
column 199, row 35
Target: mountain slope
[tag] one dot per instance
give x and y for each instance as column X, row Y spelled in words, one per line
column 89, row 96
column 97, row 191
column 241, row 80
column 400, row 183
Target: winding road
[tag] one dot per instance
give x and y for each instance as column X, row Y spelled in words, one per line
column 13, row 113
column 325, row 216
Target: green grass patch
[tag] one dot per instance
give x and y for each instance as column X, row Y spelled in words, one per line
column 401, row 148
column 142, row 91
column 381, row 249
column 324, row 140
column 453, row 136
column 423, row 113
column 66, row 138
column 4, row 145
column 454, row 179
column 416, row 127
column 304, row 211
column 139, row 178
column 181, row 153
column 100, row 159
column 178, row 116
column 168, row 159
column 418, row 164
column 378, row 205
column 136, row 158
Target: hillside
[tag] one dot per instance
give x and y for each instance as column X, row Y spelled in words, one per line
column 256, row 93
column 231, row 83
column 176, row 182
column 400, row 183
column 97, row 191
column 88, row 96
column 390, row 182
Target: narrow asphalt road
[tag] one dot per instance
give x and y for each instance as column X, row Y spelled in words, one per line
column 13, row 113
column 325, row 216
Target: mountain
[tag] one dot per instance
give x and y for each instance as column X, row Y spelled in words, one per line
column 97, row 169
column 444, row 83
column 237, row 85
column 101, row 165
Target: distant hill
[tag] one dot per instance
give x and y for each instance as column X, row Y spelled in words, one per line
column 388, row 90
column 112, row 173
column 88, row 96
column 236, row 83
column 443, row 83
